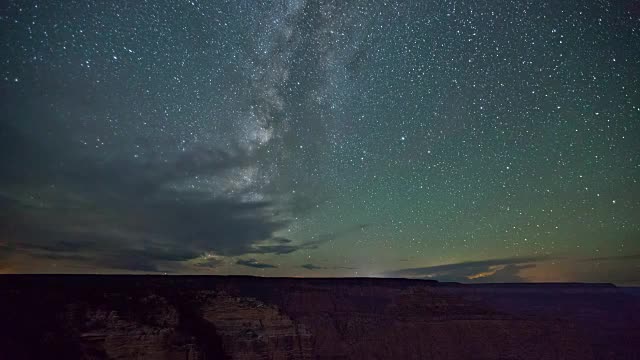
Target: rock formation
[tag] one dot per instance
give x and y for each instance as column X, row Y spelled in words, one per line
column 198, row 317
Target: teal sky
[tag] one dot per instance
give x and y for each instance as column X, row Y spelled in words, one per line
column 460, row 140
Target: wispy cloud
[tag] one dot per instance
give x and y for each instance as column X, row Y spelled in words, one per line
column 495, row 270
column 284, row 246
column 254, row 264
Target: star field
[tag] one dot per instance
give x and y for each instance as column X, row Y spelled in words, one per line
column 458, row 140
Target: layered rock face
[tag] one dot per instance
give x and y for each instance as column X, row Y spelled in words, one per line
column 250, row 329
column 184, row 317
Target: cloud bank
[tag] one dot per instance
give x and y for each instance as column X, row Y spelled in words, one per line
column 496, row 270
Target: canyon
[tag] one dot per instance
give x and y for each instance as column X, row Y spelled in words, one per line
column 239, row 317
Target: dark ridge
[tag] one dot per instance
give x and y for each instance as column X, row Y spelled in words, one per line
column 196, row 281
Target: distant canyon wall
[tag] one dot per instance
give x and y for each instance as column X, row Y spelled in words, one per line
column 167, row 317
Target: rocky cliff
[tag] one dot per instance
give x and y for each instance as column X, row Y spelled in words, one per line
column 167, row 317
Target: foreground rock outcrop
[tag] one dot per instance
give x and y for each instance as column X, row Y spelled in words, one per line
column 190, row 317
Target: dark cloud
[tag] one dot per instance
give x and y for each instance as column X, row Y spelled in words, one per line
column 312, row 267
column 60, row 256
column 286, row 247
column 54, row 245
column 254, row 264
column 129, row 215
column 158, row 230
column 317, row 267
column 496, row 270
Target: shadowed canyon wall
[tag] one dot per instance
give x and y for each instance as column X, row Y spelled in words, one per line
column 191, row 317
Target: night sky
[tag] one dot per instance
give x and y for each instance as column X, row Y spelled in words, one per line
column 452, row 140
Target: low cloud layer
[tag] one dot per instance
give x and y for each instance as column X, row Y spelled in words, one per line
column 496, row 270
column 129, row 216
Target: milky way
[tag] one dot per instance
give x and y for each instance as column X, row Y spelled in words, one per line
column 466, row 141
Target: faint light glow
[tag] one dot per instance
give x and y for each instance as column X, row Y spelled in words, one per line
column 492, row 271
